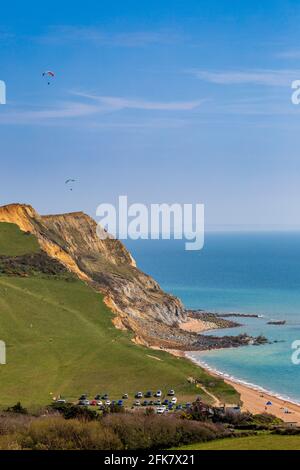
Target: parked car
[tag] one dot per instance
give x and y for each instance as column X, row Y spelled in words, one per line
column 84, row 402
column 145, row 403
column 99, row 402
column 170, row 406
column 188, row 405
column 62, row 401
column 160, row 410
column 107, row 402
column 125, row 396
column 139, row 395
column 148, row 394
column 151, row 403
column 98, row 397
column 83, row 396
column 137, row 403
column 174, row 400
column 166, row 402
column 104, row 397
column 157, row 403
column 120, row 403
column 158, row 394
column 93, row 403
column 171, row 393
column 179, row 407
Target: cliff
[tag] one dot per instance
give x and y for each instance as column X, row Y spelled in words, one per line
column 138, row 301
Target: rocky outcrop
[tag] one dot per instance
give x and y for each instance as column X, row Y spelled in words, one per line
column 105, row 264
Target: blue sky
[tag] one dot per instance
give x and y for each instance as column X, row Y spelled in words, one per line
column 164, row 101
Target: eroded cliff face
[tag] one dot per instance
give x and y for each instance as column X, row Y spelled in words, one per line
column 137, row 300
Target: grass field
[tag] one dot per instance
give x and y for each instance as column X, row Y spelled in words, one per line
column 60, row 340
column 260, row 442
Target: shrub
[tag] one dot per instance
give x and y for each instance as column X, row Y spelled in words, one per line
column 17, row 408
column 155, row 432
column 60, row 434
column 69, row 411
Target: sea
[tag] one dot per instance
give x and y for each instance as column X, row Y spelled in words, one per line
column 256, row 273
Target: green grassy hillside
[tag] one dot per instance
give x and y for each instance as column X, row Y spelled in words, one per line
column 260, row 442
column 13, row 242
column 60, row 340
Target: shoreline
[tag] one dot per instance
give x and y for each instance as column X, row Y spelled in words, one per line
column 255, row 397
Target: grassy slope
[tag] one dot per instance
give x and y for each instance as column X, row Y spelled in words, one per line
column 60, row 339
column 13, row 242
column 261, row 442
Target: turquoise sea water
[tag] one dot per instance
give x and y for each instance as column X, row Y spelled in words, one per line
column 239, row 272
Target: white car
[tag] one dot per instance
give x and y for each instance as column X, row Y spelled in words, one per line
column 84, row 402
column 100, row 403
column 158, row 394
column 137, row 403
column 160, row 410
column 174, row 400
column 108, row 402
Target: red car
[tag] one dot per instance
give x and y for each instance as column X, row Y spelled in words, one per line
column 93, row 403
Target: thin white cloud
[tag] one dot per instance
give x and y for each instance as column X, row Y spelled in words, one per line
column 65, row 110
column 255, row 77
column 99, row 105
column 115, row 103
column 97, row 36
column 292, row 54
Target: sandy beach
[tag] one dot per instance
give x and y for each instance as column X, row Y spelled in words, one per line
column 255, row 401
column 197, row 326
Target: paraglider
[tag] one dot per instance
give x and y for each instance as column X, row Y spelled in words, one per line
column 69, row 181
column 49, row 75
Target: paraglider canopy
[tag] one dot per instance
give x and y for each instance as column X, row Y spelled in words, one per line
column 49, row 75
column 69, row 182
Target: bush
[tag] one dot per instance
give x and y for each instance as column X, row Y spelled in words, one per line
column 69, row 411
column 11, row 423
column 156, row 432
column 18, row 408
column 287, row 431
column 60, row 434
